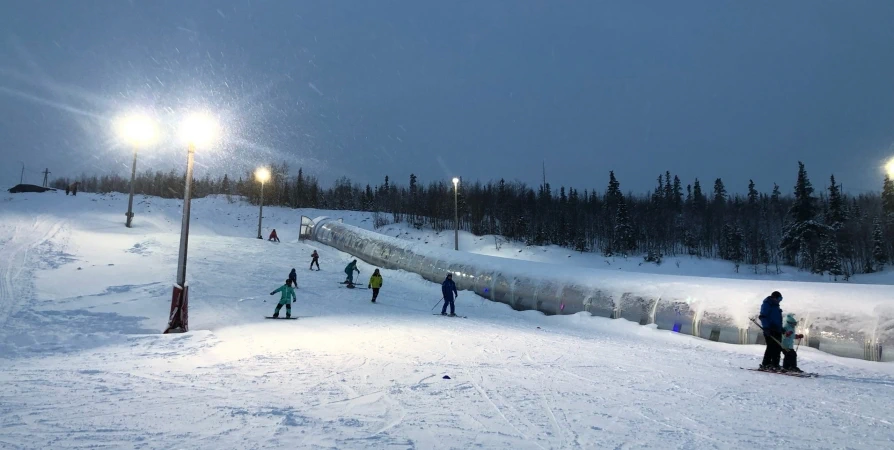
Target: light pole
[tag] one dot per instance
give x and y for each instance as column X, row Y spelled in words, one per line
column 456, row 213
column 197, row 130
column 139, row 131
column 262, row 175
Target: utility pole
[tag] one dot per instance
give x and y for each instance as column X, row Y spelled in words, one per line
column 22, row 180
column 46, row 175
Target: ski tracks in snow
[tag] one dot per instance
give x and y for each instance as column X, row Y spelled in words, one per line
column 16, row 266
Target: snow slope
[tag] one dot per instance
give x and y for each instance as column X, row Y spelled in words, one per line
column 82, row 363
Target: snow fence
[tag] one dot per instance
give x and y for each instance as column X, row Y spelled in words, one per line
column 855, row 321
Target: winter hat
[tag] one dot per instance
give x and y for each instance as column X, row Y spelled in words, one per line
column 790, row 318
column 776, row 294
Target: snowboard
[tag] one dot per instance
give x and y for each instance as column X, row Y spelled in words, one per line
column 455, row 317
column 283, row 318
column 788, row 374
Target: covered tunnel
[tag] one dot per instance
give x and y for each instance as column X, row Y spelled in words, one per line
column 717, row 309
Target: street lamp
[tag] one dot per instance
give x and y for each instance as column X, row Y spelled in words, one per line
column 197, row 130
column 455, row 213
column 262, row 175
column 889, row 168
column 139, row 131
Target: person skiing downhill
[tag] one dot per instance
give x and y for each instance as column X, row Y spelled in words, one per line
column 771, row 322
column 349, row 271
column 448, row 288
column 287, row 296
column 375, row 282
column 790, row 363
column 315, row 259
column 293, row 277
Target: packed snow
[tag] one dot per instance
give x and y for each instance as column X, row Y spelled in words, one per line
column 83, row 364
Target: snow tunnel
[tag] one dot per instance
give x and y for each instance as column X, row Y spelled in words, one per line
column 834, row 317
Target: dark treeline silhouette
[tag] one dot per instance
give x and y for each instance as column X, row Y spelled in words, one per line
column 825, row 232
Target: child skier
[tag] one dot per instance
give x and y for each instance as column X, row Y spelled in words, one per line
column 273, row 237
column 375, row 282
column 349, row 271
column 286, row 298
column 790, row 363
column 315, row 259
column 293, row 276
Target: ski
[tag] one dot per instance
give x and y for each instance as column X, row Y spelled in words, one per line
column 283, row 318
column 457, row 316
column 788, row 374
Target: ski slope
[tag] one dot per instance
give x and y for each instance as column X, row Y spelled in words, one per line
column 83, row 363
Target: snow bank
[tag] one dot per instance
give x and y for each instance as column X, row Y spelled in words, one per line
column 846, row 320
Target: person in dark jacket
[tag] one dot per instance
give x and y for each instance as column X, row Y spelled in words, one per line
column 771, row 322
column 448, row 288
column 273, row 237
column 294, row 277
column 315, row 259
column 74, row 187
column 349, row 271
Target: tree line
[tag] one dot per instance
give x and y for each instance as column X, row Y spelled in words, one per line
column 826, row 232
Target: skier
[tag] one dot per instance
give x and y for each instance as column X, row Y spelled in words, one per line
column 790, row 363
column 273, row 237
column 349, row 271
column 315, row 259
column 448, row 288
column 67, row 189
column 771, row 322
column 293, row 277
column 286, row 298
column 375, row 282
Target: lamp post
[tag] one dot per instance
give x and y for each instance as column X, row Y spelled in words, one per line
column 139, row 131
column 262, row 175
column 456, row 213
column 197, row 130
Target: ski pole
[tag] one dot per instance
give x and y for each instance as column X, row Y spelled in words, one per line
column 770, row 336
column 436, row 304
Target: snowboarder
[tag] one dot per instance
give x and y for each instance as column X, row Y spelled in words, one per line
column 273, row 237
column 315, row 259
column 349, row 271
column 293, row 277
column 375, row 282
column 287, row 296
column 448, row 288
column 790, row 363
column 771, row 322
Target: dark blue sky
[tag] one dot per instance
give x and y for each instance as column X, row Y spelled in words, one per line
column 482, row 89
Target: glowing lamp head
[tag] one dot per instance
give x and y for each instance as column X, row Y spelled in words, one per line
column 455, row 181
column 262, row 174
column 199, row 130
column 889, row 168
column 137, row 129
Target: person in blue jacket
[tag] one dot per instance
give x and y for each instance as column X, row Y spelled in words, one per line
column 448, row 288
column 771, row 322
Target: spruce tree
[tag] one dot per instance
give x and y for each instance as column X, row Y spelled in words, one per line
column 837, row 214
column 625, row 241
column 888, row 198
column 879, row 255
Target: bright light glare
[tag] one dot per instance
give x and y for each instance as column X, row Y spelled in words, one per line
column 137, row 129
column 456, row 181
column 262, row 174
column 199, row 130
column 889, row 168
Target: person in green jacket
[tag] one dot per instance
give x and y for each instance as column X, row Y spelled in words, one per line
column 375, row 282
column 349, row 271
column 286, row 298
